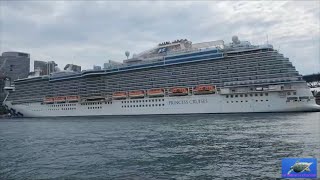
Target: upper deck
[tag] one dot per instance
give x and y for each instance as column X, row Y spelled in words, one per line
column 165, row 54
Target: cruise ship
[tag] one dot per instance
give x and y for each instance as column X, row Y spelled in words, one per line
column 178, row 77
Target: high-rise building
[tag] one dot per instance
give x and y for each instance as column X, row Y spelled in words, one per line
column 73, row 67
column 14, row 65
column 44, row 67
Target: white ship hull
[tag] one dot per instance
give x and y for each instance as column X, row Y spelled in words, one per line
column 213, row 103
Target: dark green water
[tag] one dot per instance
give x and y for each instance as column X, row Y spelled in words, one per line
column 156, row 147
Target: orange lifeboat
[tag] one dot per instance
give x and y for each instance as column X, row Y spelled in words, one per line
column 204, row 89
column 48, row 100
column 182, row 91
column 73, row 98
column 119, row 95
column 136, row 94
column 60, row 99
column 155, row 92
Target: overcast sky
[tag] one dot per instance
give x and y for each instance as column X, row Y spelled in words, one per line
column 90, row 33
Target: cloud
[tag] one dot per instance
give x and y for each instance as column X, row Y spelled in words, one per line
column 88, row 33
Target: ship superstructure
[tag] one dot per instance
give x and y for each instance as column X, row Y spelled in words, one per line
column 172, row 78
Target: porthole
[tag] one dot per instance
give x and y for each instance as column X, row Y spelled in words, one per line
column 256, row 94
column 294, row 93
column 288, row 93
column 236, row 95
column 227, row 96
column 261, row 100
column 246, row 95
column 231, row 96
column 162, row 104
column 241, row 95
column 266, row 94
column 251, row 95
column 261, row 94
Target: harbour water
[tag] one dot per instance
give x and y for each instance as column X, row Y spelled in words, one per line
column 156, row 147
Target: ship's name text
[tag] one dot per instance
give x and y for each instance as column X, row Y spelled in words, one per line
column 193, row 101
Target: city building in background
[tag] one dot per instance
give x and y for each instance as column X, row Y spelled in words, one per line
column 45, row 67
column 96, row 68
column 72, row 67
column 13, row 66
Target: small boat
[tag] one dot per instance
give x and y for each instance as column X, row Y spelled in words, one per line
column 119, row 95
column 60, row 99
column 204, row 89
column 73, row 98
column 155, row 92
column 48, row 100
column 178, row 91
column 136, row 94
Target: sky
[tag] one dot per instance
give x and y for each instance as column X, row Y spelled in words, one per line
column 91, row 33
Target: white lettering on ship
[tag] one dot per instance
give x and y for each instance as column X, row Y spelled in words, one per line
column 194, row 101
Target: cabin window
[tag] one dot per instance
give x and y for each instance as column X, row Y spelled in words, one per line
column 288, row 93
column 256, row 94
column 251, row 95
column 266, row 94
column 294, row 93
column 227, row 96
column 241, row 95
column 261, row 94
column 231, row 96
column 246, row 95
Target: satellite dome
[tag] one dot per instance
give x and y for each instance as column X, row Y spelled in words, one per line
column 235, row 40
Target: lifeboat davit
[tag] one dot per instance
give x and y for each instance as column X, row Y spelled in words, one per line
column 73, row 98
column 48, row 100
column 155, row 92
column 60, row 99
column 119, row 95
column 204, row 89
column 136, row 94
column 178, row 91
